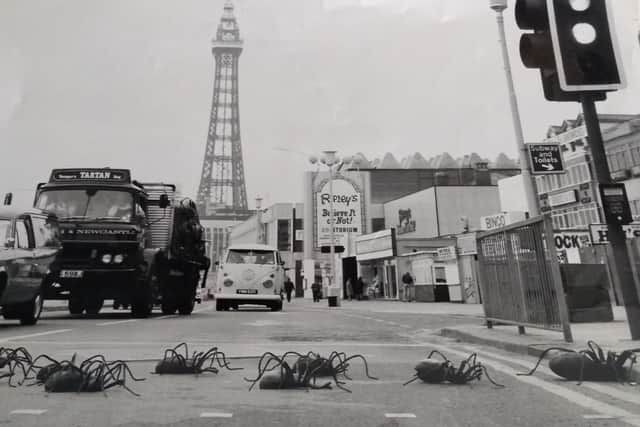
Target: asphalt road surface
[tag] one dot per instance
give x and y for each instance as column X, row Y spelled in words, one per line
column 392, row 341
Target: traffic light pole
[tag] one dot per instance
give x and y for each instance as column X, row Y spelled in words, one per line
column 616, row 235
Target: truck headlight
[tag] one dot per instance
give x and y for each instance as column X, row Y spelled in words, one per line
column 118, row 259
column 267, row 283
column 106, row 258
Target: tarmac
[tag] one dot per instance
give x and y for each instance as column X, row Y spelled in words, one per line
column 614, row 335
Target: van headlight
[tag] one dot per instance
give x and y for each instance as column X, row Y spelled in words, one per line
column 106, row 258
column 267, row 283
column 228, row 282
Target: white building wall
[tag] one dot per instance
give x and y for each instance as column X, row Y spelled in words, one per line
column 511, row 194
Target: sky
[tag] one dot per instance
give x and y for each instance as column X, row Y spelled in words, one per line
column 128, row 84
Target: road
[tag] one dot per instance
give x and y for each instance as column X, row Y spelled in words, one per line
column 392, row 341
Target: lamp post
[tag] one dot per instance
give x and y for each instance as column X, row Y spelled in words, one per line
column 529, row 189
column 330, row 159
column 259, row 219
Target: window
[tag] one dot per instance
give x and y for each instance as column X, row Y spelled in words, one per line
column 45, row 233
column 439, row 275
column 22, row 235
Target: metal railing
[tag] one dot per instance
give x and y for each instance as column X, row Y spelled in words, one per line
column 520, row 277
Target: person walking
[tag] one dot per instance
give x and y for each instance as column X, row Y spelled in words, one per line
column 407, row 284
column 349, row 289
column 315, row 288
column 288, row 288
column 358, row 288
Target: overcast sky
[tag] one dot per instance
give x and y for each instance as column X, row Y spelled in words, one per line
column 128, row 83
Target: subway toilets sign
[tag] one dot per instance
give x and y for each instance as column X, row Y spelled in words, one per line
column 347, row 212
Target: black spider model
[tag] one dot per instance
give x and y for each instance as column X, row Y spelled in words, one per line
column 433, row 371
column 591, row 364
column 12, row 360
column 303, row 371
column 175, row 363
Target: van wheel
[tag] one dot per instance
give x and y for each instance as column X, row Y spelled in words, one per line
column 220, row 305
column 276, row 306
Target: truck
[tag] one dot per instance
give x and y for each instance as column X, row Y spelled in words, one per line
column 135, row 243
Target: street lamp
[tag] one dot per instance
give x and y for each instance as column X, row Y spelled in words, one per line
column 330, row 159
column 259, row 219
column 529, row 190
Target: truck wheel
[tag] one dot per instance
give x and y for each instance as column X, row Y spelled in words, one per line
column 186, row 307
column 93, row 306
column 168, row 309
column 31, row 310
column 76, row 306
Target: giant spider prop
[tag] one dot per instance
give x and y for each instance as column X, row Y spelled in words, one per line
column 94, row 374
column 591, row 364
column 175, row 363
column 12, row 359
column 304, row 372
column 334, row 365
column 434, row 372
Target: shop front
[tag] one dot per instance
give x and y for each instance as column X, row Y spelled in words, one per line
column 436, row 274
column 375, row 255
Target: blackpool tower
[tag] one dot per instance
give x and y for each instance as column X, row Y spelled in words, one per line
column 222, row 192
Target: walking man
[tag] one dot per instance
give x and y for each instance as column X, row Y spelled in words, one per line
column 407, row 284
column 315, row 288
column 288, row 288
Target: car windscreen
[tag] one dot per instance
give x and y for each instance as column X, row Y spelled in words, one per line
column 249, row 256
column 88, row 204
column 4, row 230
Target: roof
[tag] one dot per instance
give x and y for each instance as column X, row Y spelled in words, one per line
column 252, row 246
column 13, row 211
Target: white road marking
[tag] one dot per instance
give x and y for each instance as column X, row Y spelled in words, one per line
column 600, row 388
column 205, row 308
column 116, row 322
column 599, row 417
column 405, row 415
column 168, row 316
column 216, row 415
column 28, row 412
column 39, row 334
column 574, row 397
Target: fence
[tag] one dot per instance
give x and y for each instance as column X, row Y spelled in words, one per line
column 520, row 277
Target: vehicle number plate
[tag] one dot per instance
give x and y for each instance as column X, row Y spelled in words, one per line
column 71, row 274
column 247, row 291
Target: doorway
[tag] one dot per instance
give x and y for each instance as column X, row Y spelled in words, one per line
column 349, row 271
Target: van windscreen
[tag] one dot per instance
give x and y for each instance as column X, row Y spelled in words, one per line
column 249, row 256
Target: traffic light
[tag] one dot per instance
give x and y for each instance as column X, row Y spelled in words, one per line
column 585, row 49
column 539, row 50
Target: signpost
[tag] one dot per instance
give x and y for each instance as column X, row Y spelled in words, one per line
column 545, row 159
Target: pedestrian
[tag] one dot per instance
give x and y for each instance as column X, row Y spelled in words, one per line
column 315, row 288
column 407, row 284
column 359, row 287
column 373, row 288
column 288, row 288
column 349, row 289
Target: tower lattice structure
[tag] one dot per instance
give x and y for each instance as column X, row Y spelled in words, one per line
column 222, row 192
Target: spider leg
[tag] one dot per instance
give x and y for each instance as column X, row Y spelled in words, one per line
column 366, row 366
column 415, row 377
column 544, row 353
column 439, row 354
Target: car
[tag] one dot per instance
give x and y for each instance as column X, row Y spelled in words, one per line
column 29, row 245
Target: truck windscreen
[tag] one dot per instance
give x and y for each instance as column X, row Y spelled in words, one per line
column 89, row 204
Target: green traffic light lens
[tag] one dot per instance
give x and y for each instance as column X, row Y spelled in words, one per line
column 584, row 33
column 580, row 5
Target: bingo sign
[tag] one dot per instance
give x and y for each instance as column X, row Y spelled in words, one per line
column 347, row 212
column 545, row 159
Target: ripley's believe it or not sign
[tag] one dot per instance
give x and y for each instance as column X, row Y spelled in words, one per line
column 347, row 212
